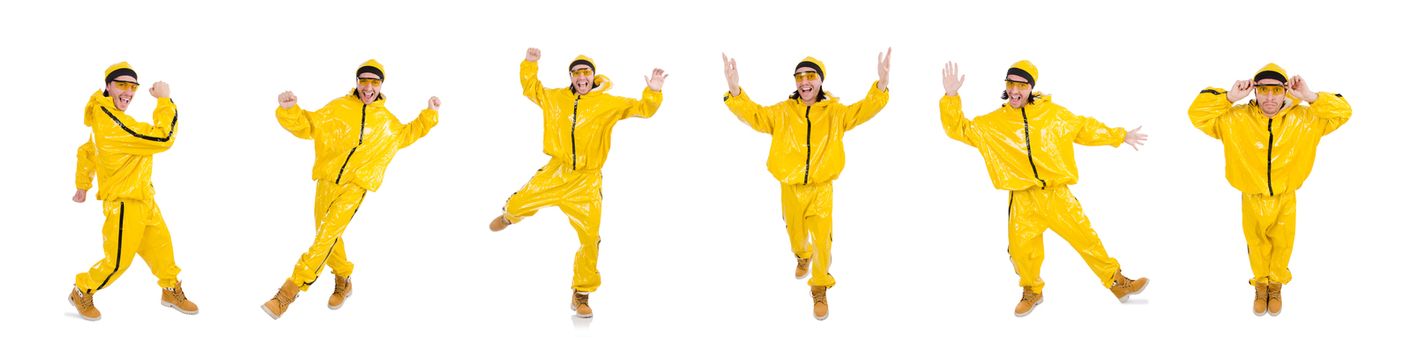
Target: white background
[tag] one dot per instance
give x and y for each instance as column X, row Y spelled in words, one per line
column 694, row 253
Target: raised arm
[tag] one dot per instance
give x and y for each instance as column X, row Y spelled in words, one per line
column 410, row 132
column 529, row 77
column 952, row 117
column 127, row 135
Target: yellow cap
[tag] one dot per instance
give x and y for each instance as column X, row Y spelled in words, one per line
column 815, row 64
column 371, row 66
column 581, row 59
column 1271, row 71
column 117, row 70
column 1026, row 70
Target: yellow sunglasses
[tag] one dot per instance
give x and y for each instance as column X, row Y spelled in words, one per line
column 1015, row 84
column 370, row 81
column 126, row 85
column 582, row 72
column 1270, row 89
column 801, row 76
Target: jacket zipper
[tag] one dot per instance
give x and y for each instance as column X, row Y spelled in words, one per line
column 1269, row 165
column 1027, row 147
column 572, row 130
column 808, row 143
column 361, row 126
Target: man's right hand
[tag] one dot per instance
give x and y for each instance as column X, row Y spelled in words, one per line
column 287, row 100
column 950, row 81
column 1241, row 90
column 732, row 75
column 531, row 55
column 80, row 196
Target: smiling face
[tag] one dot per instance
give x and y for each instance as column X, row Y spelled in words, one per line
column 807, row 83
column 1269, row 94
column 582, row 77
column 369, row 87
column 1018, row 90
column 121, row 90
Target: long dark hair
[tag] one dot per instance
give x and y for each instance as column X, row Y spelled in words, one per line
column 821, row 95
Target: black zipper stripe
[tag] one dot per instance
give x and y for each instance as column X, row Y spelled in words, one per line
column 572, row 132
column 808, row 143
column 122, row 213
column 1269, row 166
column 1210, row 91
column 141, row 136
column 361, row 126
column 1027, row 147
column 319, row 270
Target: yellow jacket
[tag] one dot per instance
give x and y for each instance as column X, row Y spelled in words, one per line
column 808, row 140
column 578, row 129
column 120, row 149
column 1250, row 165
column 354, row 142
column 1030, row 147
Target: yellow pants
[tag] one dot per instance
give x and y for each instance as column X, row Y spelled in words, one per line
column 334, row 206
column 132, row 227
column 1035, row 210
column 579, row 194
column 1268, row 228
column 808, row 216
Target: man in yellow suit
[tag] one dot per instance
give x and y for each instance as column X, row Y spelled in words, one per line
column 119, row 150
column 578, row 122
column 355, row 137
column 806, row 155
column 1269, row 149
column 1027, row 145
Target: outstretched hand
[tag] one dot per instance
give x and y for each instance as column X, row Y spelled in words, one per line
column 884, row 69
column 1135, row 137
column 949, row 79
column 732, row 75
column 658, row 77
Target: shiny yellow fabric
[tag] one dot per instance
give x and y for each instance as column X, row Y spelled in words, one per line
column 1029, row 147
column 132, row 227
column 1269, row 230
column 807, row 145
column 120, row 148
column 578, row 128
column 579, row 195
column 808, row 216
column 334, row 206
column 354, row 142
column 1250, row 164
column 1033, row 211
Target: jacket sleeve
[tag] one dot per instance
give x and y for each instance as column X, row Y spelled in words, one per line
column 1331, row 109
column 130, row 136
column 954, row 121
column 87, row 166
column 410, row 132
column 644, row 108
column 298, row 121
column 861, row 111
column 1091, row 132
column 1211, row 109
column 758, row 117
column 529, row 81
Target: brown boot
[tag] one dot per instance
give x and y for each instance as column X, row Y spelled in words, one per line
column 499, row 223
column 801, row 270
column 1261, row 298
column 1123, row 287
column 276, row 306
column 84, row 303
column 820, row 302
column 342, row 290
column 175, row 298
column 1028, row 302
column 1276, row 298
column 580, row 305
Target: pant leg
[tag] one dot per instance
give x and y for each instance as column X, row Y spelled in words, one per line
column 1026, row 238
column 1257, row 211
column 584, row 207
column 156, row 250
column 338, row 260
column 794, row 201
column 123, row 228
column 819, row 220
column 1281, row 239
column 546, row 188
column 346, row 198
column 1067, row 219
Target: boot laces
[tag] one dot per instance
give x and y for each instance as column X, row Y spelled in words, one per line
column 579, row 299
column 820, row 297
column 1029, row 296
column 85, row 300
column 177, row 293
column 341, row 286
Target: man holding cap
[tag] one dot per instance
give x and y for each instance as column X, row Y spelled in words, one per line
column 1269, row 150
column 578, row 122
column 119, row 150
column 806, row 155
column 355, row 137
column 1027, row 145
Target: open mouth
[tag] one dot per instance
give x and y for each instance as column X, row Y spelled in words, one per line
column 125, row 100
column 368, row 95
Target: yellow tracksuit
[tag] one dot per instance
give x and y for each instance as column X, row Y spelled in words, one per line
column 577, row 135
column 353, row 143
column 805, row 156
column 120, row 152
column 1029, row 152
column 1268, row 175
